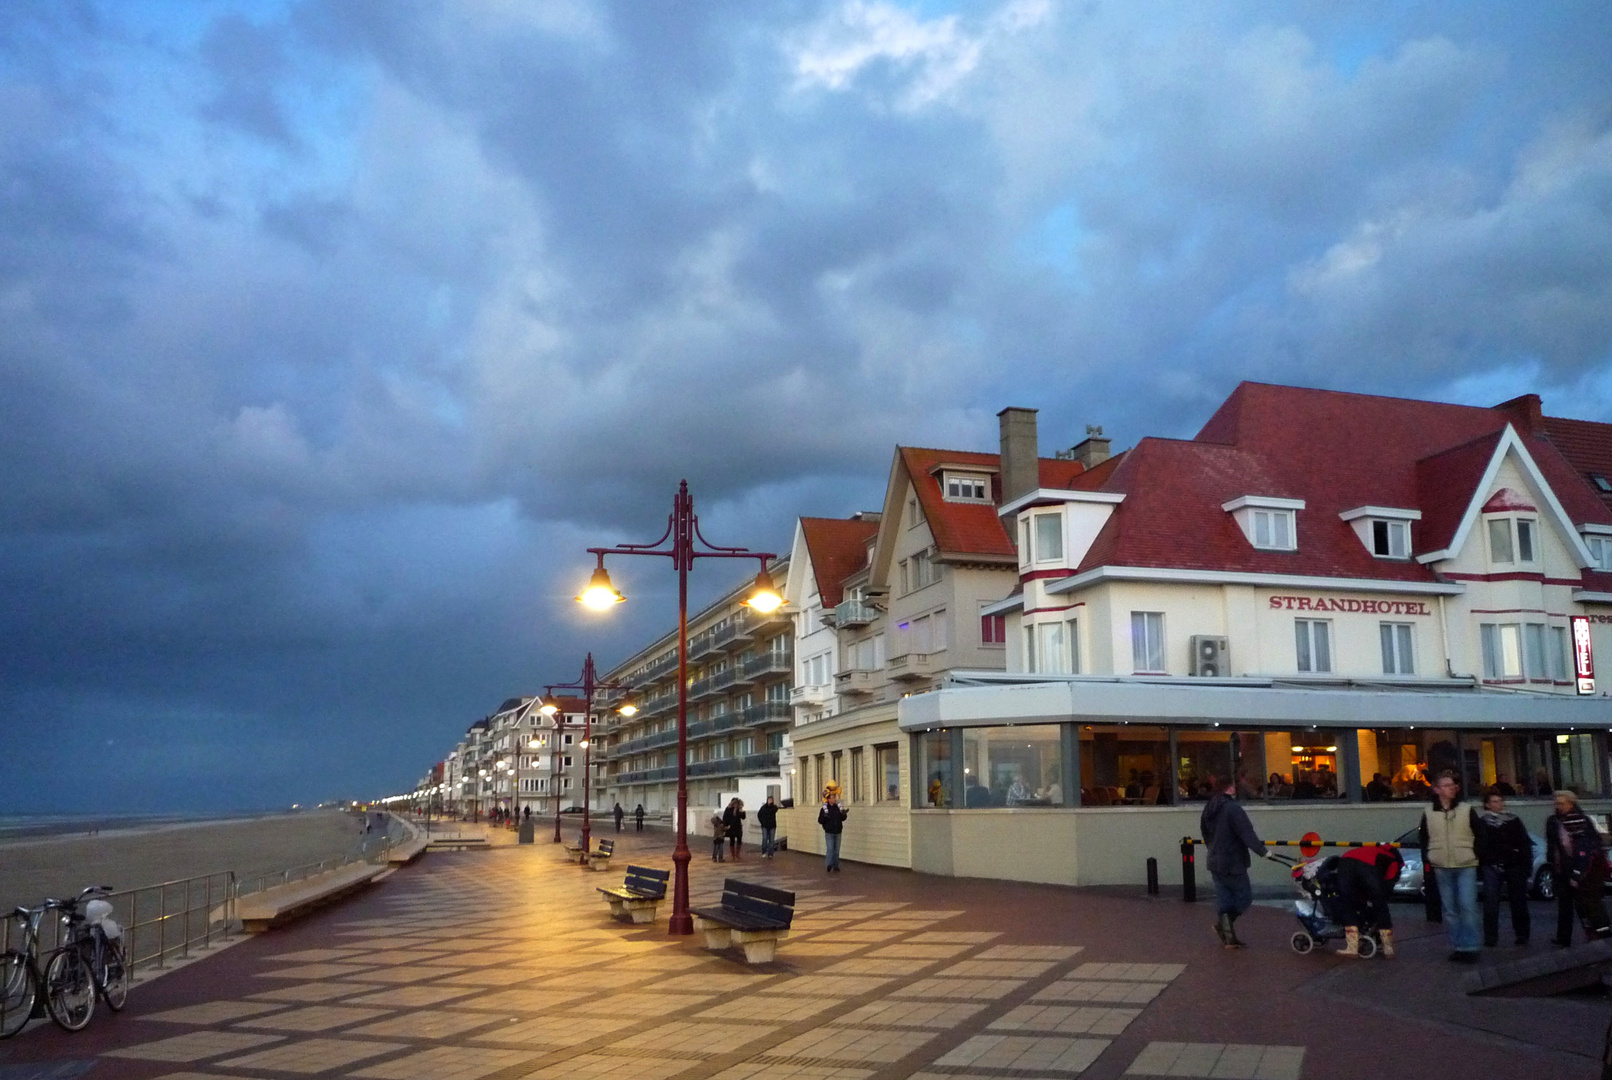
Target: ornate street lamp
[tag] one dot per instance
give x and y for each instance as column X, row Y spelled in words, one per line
column 588, row 684
column 682, row 534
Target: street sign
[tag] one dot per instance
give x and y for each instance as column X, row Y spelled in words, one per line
column 1310, row 844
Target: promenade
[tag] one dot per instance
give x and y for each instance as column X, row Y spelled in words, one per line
column 504, row 964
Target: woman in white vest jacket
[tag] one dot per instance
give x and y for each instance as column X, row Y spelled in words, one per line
column 1449, row 835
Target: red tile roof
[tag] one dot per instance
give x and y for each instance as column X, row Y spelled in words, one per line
column 1586, row 444
column 838, row 549
column 961, row 528
column 1336, row 451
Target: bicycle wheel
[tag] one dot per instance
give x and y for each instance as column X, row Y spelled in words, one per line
column 69, row 989
column 113, row 976
column 17, row 992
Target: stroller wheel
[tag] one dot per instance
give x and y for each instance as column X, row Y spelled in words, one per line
column 1302, row 942
column 1368, row 946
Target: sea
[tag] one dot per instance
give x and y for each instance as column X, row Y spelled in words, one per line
column 15, row 827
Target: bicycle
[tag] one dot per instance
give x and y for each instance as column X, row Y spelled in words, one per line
column 90, row 934
column 66, row 980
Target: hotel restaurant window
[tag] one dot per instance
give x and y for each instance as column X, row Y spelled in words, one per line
column 858, row 784
column 887, row 769
column 1403, row 763
column 1124, row 765
column 935, row 763
column 1012, row 766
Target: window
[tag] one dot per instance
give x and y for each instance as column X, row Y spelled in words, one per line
column 858, row 792
column 920, row 570
column 1601, row 483
column 965, row 487
column 567, row 761
column 1147, row 641
column 1525, row 540
column 1303, row 765
column 1533, row 640
column 1557, row 641
column 1049, row 651
column 834, row 765
column 1601, row 550
column 1012, row 766
column 993, row 629
column 775, row 741
column 915, row 512
column 1314, row 640
column 1273, row 530
column 1512, row 540
column 1502, row 650
column 887, row 767
column 745, row 746
column 719, row 751
column 565, row 784
column 1399, row 657
column 1072, row 642
column 935, row 766
column 1122, row 765
column 1390, row 539
column 568, row 737
column 1048, row 537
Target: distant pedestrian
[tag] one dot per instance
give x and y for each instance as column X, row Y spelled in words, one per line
column 527, row 813
column 1505, row 863
column 1578, row 858
column 767, row 818
column 733, row 826
column 832, row 818
column 1366, row 877
column 1448, row 834
column 638, row 817
column 1229, row 836
column 717, row 829
column 620, row 815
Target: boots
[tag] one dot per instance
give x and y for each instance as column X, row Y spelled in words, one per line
column 1351, row 943
column 1223, row 928
column 1385, row 946
column 1232, row 941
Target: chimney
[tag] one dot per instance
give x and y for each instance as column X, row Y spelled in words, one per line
column 1090, row 452
column 1526, row 412
column 1021, row 466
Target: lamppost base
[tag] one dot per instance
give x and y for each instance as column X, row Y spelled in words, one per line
column 680, row 925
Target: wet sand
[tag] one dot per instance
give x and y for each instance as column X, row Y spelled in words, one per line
column 60, row 866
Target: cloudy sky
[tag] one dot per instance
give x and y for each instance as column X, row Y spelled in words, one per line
column 332, row 331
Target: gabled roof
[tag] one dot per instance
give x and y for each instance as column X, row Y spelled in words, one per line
column 968, row 528
column 1334, row 450
column 837, row 548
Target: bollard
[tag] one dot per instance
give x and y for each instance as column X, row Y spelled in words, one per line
column 1189, row 877
column 1152, row 876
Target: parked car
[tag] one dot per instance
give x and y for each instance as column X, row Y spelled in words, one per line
column 1410, row 884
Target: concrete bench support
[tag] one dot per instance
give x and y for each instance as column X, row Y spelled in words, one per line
column 276, row 906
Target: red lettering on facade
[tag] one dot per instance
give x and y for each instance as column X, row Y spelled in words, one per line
column 1363, row 607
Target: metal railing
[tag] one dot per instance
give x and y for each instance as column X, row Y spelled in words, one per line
column 371, row 851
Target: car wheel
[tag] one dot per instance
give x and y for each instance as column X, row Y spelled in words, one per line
column 1545, row 884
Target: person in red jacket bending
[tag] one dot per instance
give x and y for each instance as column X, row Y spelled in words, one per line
column 1366, row 875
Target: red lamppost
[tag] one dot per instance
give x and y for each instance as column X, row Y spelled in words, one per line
column 587, row 684
column 682, row 532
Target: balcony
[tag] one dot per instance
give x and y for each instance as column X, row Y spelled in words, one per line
column 701, row 645
column 736, row 766
column 854, row 613
column 701, row 688
column 724, row 679
column 753, row 624
column 728, row 632
column 662, row 667
column 811, row 695
column 856, row 681
column 772, row 662
column 916, row 665
column 766, row 712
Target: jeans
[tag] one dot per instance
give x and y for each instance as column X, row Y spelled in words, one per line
column 769, row 841
column 1234, row 893
column 1511, row 884
column 831, row 851
column 1458, row 891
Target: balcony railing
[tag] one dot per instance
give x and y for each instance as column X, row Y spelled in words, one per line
column 810, row 695
column 734, row 766
column 854, row 613
column 772, row 662
column 764, row 712
column 855, row 681
column 915, row 665
column 701, row 645
column 754, row 624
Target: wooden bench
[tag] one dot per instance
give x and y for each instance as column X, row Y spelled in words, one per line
column 598, row 858
column 271, row 907
column 754, row 917
column 407, row 851
column 638, row 895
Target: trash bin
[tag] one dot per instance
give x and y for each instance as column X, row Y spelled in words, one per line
column 526, row 830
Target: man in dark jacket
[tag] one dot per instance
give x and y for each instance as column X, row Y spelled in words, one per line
column 832, row 818
column 620, row 814
column 1505, row 862
column 767, row 818
column 638, row 817
column 1229, row 836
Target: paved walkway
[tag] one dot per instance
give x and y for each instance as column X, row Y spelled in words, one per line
column 504, row 964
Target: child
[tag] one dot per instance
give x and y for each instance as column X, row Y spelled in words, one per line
column 718, row 831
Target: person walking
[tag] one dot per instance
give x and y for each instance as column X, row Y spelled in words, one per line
column 733, row 825
column 717, row 829
column 1448, row 834
column 1366, row 875
column 1505, row 862
column 1229, row 836
column 620, row 815
column 1578, row 858
column 832, row 818
column 767, row 818
column 638, row 817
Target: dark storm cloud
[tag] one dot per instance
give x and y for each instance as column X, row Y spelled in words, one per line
column 332, row 332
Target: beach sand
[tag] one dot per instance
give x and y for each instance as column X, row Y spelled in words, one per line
column 31, row 870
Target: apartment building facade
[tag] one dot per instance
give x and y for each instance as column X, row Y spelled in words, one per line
column 740, row 672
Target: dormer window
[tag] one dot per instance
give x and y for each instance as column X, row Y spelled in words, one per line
column 1513, row 540
column 1390, row 539
column 1601, row 550
column 966, row 487
column 1384, row 530
column 1271, row 524
column 1602, row 484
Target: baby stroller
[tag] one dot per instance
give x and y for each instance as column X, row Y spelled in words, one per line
column 1321, row 909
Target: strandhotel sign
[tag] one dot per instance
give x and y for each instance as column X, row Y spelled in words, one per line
column 1349, row 604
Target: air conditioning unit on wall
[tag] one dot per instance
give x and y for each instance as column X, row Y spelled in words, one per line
column 1211, row 656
